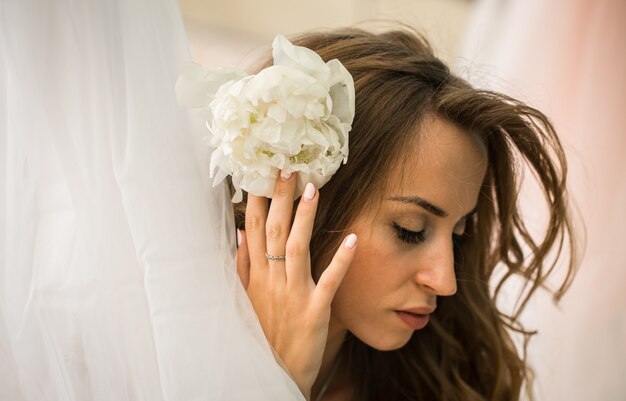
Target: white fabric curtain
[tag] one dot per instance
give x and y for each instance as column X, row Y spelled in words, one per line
column 117, row 276
column 567, row 58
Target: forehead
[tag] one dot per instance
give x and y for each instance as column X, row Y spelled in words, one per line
column 445, row 165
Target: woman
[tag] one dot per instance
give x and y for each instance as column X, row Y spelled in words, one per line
column 406, row 311
column 115, row 282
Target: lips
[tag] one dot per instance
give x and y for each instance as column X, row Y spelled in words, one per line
column 415, row 318
column 420, row 310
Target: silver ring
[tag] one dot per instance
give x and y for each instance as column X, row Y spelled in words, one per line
column 271, row 257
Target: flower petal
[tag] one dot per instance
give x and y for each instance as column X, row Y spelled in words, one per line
column 298, row 57
column 342, row 92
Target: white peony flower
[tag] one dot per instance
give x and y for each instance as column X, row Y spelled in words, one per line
column 294, row 115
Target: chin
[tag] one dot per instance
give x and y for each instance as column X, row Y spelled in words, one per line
column 386, row 342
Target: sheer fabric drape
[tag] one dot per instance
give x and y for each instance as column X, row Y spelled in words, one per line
column 117, row 276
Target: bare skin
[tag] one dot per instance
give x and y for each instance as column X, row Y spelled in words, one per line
column 387, row 273
column 294, row 312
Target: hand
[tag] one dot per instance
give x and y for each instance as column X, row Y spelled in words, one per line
column 294, row 312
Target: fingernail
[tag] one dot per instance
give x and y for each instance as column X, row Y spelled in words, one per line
column 350, row 241
column 309, row 191
column 239, row 237
column 285, row 174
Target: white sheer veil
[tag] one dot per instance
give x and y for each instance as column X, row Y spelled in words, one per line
column 117, row 272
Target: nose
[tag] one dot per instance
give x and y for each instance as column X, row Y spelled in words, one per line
column 436, row 271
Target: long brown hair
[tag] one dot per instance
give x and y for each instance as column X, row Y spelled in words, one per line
column 467, row 352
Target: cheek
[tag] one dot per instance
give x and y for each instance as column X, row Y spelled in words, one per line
column 375, row 275
column 374, row 286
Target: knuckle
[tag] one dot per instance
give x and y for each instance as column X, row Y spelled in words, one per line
column 296, row 249
column 282, row 190
column 328, row 285
column 273, row 231
column 253, row 222
column 306, row 210
column 342, row 259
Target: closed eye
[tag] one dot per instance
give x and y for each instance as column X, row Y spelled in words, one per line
column 417, row 237
column 408, row 236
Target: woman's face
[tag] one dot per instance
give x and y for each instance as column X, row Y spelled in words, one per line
column 404, row 258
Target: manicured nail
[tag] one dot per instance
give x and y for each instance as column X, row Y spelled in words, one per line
column 309, row 191
column 285, row 174
column 239, row 237
column 350, row 241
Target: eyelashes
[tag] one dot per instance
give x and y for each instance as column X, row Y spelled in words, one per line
column 408, row 236
column 417, row 237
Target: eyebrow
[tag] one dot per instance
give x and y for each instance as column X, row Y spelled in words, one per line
column 426, row 205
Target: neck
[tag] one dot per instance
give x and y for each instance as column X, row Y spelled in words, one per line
column 336, row 336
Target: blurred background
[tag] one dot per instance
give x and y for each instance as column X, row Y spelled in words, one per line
column 229, row 32
column 564, row 57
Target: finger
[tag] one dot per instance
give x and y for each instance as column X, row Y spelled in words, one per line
column 279, row 223
column 243, row 259
column 335, row 272
column 256, row 215
column 298, row 243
